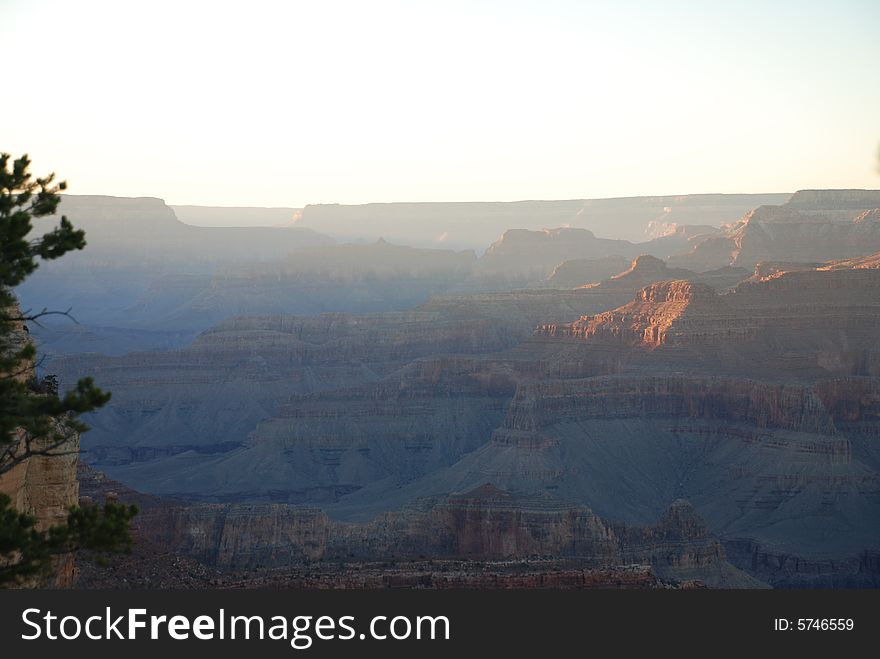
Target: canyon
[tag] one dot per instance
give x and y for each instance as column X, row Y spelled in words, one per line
column 149, row 281
column 708, row 411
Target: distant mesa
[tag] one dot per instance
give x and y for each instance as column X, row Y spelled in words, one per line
column 473, row 225
column 236, row 216
column 146, row 229
column 650, row 266
column 535, row 255
column 645, row 270
column 835, row 199
column 576, row 272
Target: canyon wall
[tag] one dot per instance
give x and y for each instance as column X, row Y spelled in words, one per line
column 814, row 225
column 802, row 322
column 484, row 525
column 474, row 225
column 44, row 486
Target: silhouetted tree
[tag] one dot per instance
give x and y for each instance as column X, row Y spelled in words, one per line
column 34, row 419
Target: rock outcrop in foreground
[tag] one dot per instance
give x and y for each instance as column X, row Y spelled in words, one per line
column 44, row 486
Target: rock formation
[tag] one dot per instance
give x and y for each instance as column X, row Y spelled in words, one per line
column 145, row 229
column 482, row 527
column 531, row 255
column 577, row 272
column 141, row 269
column 44, row 486
column 814, row 225
column 777, row 323
column 467, row 225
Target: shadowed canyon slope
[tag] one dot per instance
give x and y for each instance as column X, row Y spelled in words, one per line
column 209, row 396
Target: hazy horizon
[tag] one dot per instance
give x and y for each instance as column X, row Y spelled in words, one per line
column 452, row 201
column 285, row 105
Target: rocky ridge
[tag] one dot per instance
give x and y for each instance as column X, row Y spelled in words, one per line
column 525, row 542
column 475, row 224
column 813, row 225
column 782, row 321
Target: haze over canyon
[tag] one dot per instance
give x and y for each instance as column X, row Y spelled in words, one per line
column 646, row 391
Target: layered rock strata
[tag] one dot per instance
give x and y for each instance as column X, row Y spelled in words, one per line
column 814, row 225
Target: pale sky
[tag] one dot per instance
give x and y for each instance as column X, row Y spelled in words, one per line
column 288, row 103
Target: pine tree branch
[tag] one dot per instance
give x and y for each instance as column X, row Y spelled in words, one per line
column 28, row 317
